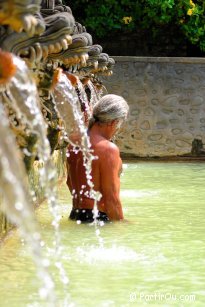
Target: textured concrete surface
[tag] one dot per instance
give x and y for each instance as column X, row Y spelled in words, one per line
column 167, row 104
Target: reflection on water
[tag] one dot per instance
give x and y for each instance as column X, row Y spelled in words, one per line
column 158, row 249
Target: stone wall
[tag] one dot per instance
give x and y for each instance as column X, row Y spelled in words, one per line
column 167, row 104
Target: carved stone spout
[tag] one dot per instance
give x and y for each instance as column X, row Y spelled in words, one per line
column 56, row 37
column 21, row 15
column 46, row 36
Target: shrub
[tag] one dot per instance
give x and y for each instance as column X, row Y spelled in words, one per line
column 126, row 16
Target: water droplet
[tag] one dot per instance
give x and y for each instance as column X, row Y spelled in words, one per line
column 18, row 206
column 42, row 243
column 97, row 232
column 43, row 293
column 46, row 262
column 65, row 280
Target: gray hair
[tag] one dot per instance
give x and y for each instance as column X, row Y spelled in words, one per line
column 108, row 108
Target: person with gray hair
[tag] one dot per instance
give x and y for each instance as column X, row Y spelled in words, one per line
column 108, row 115
column 109, row 107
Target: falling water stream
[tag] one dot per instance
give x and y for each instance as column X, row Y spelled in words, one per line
column 69, row 97
column 17, row 203
column 21, row 94
column 66, row 97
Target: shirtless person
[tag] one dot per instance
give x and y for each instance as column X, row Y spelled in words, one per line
column 108, row 115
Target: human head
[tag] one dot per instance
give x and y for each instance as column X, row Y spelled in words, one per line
column 110, row 107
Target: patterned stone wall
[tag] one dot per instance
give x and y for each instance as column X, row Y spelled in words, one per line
column 167, row 104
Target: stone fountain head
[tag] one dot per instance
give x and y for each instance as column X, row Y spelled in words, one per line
column 22, row 16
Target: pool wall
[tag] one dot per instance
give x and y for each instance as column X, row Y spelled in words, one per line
column 167, row 104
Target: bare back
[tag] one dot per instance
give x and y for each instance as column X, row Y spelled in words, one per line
column 105, row 176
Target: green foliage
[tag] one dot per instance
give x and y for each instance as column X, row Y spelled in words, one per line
column 103, row 17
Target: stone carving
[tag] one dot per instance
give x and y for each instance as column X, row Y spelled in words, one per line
column 46, row 36
column 22, row 16
column 33, row 49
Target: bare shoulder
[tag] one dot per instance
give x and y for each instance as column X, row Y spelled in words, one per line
column 113, row 148
column 105, row 148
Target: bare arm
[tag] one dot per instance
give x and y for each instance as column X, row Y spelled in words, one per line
column 110, row 164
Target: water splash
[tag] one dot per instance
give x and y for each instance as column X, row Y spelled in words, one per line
column 114, row 254
column 66, row 100
column 70, row 98
column 22, row 95
column 18, row 207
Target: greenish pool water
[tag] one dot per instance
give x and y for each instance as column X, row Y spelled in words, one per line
column 155, row 258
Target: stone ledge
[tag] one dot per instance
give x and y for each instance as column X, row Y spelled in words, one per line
column 182, row 60
column 185, row 158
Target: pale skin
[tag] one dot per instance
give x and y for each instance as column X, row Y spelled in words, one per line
column 105, row 171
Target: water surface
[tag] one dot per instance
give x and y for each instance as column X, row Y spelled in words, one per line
column 154, row 258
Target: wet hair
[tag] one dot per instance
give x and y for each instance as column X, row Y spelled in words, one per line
column 109, row 108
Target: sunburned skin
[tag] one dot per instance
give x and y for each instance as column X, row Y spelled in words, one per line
column 106, row 170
